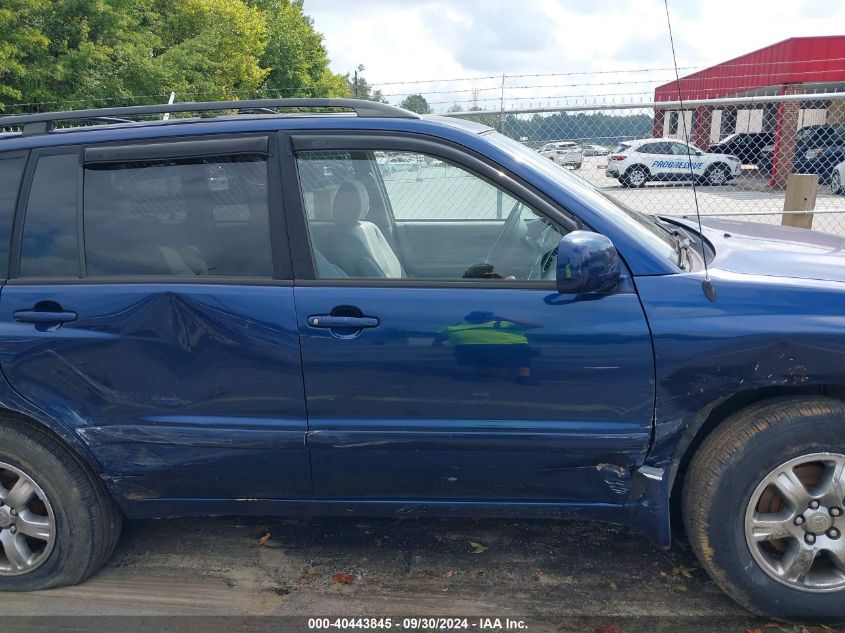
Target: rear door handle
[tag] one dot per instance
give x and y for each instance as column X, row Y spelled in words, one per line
column 44, row 316
column 330, row 321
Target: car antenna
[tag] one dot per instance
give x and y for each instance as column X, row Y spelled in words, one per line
column 707, row 283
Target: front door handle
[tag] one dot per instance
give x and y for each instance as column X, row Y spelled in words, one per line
column 349, row 322
column 44, row 316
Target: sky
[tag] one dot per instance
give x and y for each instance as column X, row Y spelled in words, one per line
column 586, row 43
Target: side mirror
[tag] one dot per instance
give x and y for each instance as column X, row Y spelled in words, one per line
column 586, row 262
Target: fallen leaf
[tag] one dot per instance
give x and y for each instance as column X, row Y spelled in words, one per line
column 477, row 548
column 757, row 630
column 608, row 628
column 686, row 572
column 342, row 579
column 263, row 540
column 449, row 574
column 613, row 585
column 681, row 587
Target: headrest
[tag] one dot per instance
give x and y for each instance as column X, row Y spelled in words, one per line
column 351, row 202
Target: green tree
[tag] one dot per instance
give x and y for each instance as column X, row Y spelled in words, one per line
column 295, row 54
column 415, row 103
column 212, row 48
column 20, row 41
column 81, row 53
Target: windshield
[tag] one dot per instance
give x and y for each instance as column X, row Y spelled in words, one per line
column 644, row 227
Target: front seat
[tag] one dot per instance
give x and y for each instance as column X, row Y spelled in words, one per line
column 359, row 247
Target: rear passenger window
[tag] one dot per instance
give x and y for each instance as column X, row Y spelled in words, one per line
column 187, row 217
column 11, row 170
column 49, row 247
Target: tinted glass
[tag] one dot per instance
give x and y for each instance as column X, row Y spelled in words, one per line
column 203, row 216
column 11, row 171
column 49, row 247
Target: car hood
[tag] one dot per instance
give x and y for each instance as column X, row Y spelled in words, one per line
column 778, row 251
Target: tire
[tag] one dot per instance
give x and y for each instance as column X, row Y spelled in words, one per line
column 635, row 177
column 84, row 521
column 717, row 175
column 836, row 185
column 730, row 471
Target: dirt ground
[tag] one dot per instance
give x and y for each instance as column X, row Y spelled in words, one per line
column 228, row 574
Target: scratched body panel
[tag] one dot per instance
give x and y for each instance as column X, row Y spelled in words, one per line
column 413, row 410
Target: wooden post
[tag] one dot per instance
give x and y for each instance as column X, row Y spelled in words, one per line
column 801, row 192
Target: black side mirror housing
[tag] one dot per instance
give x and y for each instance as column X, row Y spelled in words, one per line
column 586, row 262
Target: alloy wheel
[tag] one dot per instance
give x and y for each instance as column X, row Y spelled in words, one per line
column 718, row 176
column 794, row 523
column 637, row 177
column 27, row 522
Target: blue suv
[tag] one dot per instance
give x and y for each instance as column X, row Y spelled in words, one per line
column 255, row 313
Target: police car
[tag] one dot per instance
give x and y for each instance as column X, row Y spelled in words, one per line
column 636, row 162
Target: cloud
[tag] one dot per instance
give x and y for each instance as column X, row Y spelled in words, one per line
column 413, row 40
column 492, row 39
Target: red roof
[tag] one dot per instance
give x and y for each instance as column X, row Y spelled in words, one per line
column 796, row 60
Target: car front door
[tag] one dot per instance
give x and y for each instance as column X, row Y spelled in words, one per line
column 440, row 363
column 146, row 310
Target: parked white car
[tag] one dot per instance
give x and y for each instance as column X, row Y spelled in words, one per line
column 596, row 150
column 837, row 178
column 564, row 153
column 636, row 162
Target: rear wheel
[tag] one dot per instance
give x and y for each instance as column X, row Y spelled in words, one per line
column 635, row 177
column 58, row 524
column 763, row 507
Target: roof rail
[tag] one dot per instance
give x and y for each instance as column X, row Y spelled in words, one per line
column 42, row 122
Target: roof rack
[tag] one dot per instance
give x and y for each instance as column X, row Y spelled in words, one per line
column 42, row 122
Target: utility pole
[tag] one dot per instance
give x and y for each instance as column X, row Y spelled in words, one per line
column 502, row 107
column 357, row 70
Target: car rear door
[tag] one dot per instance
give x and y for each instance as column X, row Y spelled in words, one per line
column 464, row 381
column 147, row 310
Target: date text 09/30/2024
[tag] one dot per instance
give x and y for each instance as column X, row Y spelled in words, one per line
column 418, row 623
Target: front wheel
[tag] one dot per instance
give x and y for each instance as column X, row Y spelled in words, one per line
column 763, row 507
column 58, row 525
column 717, row 175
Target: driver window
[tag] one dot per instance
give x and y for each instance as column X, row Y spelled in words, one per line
column 448, row 223
column 682, row 150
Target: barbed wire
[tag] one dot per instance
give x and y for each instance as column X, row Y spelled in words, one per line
column 608, row 72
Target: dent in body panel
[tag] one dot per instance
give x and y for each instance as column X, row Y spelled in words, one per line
column 182, row 390
column 760, row 332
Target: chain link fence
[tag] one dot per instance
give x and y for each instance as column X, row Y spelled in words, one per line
column 738, row 152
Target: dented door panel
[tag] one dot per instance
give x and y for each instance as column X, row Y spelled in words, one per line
column 178, row 390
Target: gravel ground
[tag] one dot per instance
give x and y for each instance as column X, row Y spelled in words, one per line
column 187, row 574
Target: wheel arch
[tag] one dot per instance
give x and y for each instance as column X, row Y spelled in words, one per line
column 715, row 414
column 58, row 432
column 641, row 166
